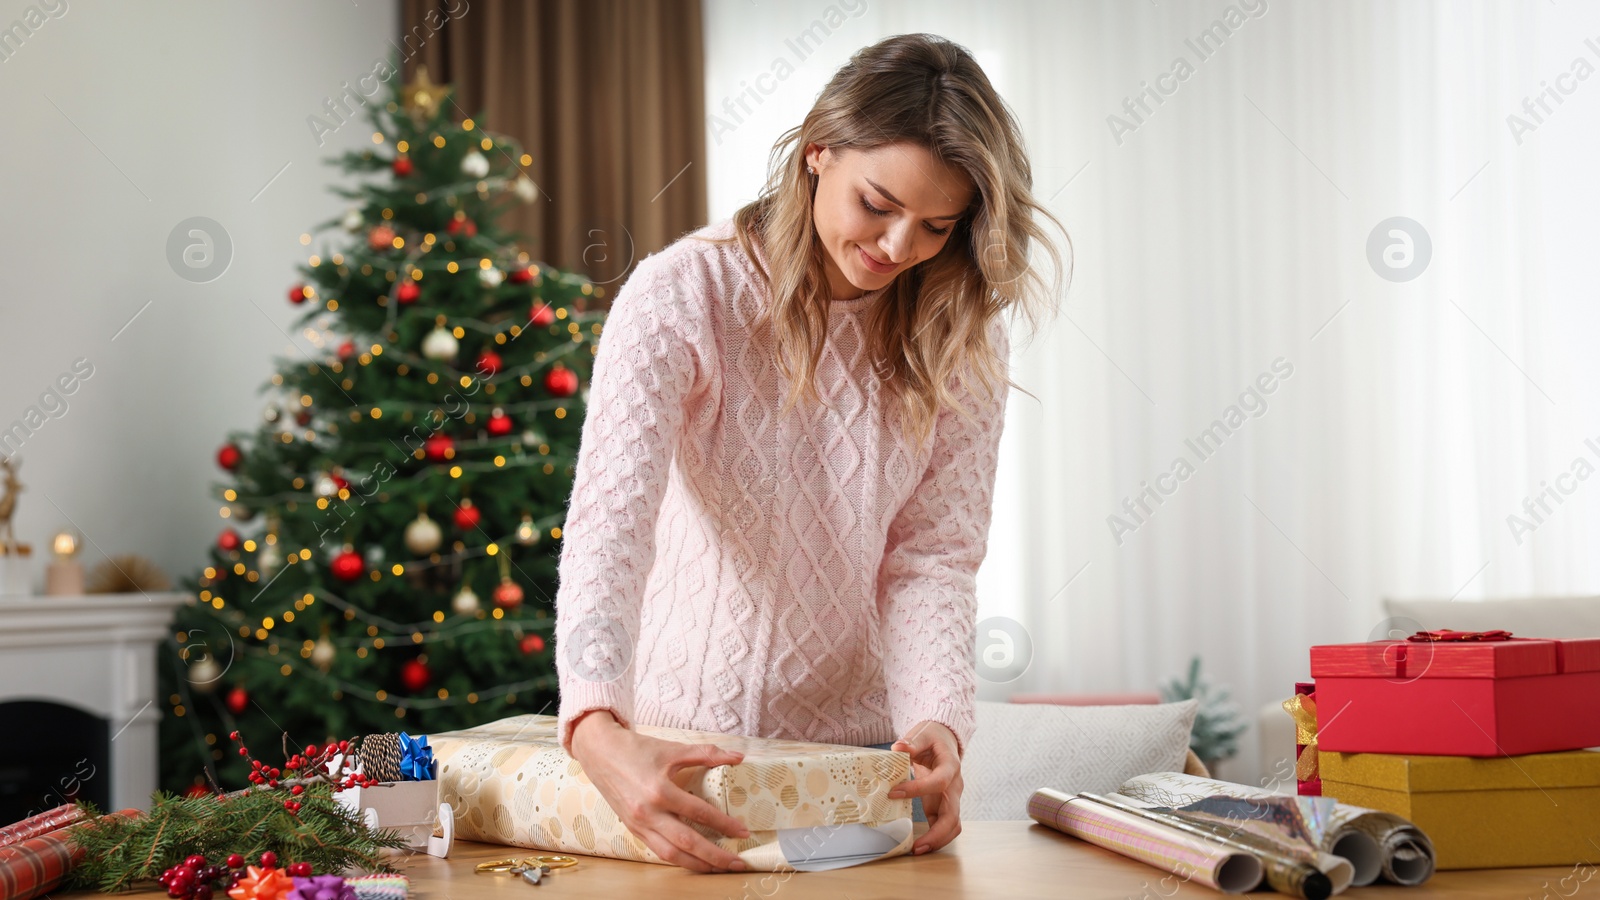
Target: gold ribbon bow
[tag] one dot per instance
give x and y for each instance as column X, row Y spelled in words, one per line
column 1303, row 710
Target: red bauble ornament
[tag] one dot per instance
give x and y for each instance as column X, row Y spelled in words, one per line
column 542, row 315
column 462, row 225
column 439, row 447
column 229, row 456
column 237, row 700
column 522, row 275
column 348, row 565
column 347, row 349
column 228, row 541
column 303, row 417
column 508, row 594
column 402, row 166
column 415, row 675
column 468, row 516
column 499, row 423
column 489, row 362
column 196, row 790
column 408, row 292
column 381, row 238
column 532, row 643
column 338, row 480
column 561, row 382
column 299, row 294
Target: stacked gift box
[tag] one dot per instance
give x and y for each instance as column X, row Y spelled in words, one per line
column 1477, row 737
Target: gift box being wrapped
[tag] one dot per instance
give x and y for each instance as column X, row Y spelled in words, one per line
column 808, row 806
column 1458, row 694
column 1540, row 809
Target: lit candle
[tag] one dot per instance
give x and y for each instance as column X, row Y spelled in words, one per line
column 64, row 576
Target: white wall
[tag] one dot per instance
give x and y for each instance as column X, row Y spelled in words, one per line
column 121, row 120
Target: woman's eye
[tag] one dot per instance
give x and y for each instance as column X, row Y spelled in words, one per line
column 938, row 232
column 873, row 209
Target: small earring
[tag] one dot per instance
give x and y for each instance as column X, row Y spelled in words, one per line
column 810, row 171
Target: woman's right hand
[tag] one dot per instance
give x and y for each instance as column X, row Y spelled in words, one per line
column 637, row 775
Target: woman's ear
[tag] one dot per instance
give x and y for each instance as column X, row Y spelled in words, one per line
column 814, row 153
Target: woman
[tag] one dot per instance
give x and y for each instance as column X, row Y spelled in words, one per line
column 783, row 486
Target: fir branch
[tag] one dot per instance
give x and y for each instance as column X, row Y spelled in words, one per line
column 120, row 853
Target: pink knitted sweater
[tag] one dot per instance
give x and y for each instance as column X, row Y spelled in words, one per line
column 725, row 569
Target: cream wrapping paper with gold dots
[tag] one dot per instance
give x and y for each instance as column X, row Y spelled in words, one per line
column 808, row 806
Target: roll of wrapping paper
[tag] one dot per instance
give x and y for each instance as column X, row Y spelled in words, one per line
column 1376, row 843
column 1203, row 861
column 41, row 824
column 1285, row 873
column 39, row 865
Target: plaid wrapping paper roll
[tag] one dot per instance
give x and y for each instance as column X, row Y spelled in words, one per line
column 41, row 824
column 40, row 865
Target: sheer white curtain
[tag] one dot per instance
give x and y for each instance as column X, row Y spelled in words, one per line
column 1222, row 246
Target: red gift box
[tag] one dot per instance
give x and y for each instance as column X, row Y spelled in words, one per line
column 1458, row 697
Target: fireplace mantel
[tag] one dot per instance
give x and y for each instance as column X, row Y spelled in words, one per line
column 96, row 653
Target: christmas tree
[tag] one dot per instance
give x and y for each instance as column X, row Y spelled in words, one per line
column 391, row 531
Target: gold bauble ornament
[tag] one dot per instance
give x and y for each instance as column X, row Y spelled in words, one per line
column 465, row 602
column 423, row 535
column 204, row 673
column 526, row 532
column 269, row 560
column 322, row 653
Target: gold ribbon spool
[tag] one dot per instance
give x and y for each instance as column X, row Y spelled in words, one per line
column 1303, row 710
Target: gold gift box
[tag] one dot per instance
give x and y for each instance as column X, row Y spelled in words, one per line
column 807, row 805
column 1541, row 809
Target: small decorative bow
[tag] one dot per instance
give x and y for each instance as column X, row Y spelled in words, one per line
column 1446, row 635
column 262, row 884
column 1303, row 709
column 321, row 887
column 416, row 758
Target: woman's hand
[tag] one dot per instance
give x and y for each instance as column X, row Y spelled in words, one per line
column 937, row 768
column 639, row 777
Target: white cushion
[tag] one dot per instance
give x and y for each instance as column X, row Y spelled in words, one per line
column 1021, row 747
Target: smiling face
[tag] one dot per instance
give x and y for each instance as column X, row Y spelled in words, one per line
column 879, row 212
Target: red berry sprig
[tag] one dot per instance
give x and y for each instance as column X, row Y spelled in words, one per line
column 308, row 767
column 196, row 879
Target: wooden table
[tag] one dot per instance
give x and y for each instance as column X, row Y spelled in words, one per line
column 989, row 859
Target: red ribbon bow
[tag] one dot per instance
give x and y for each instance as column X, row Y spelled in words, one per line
column 1447, row 635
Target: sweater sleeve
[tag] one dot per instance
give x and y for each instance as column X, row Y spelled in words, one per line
column 927, row 583
column 651, row 358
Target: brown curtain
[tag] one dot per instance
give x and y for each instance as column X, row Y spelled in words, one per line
column 608, row 98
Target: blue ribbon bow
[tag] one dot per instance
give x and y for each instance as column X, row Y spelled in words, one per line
column 416, row 758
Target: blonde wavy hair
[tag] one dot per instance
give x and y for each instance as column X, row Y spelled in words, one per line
column 931, row 326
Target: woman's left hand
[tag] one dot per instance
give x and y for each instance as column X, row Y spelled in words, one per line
column 937, row 768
